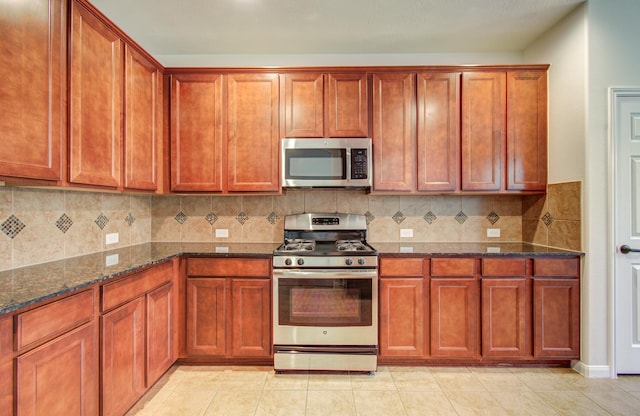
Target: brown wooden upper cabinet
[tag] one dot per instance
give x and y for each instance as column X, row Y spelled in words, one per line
column 526, row 130
column 143, row 121
column 325, row 105
column 95, row 137
column 197, row 141
column 394, row 138
column 33, row 89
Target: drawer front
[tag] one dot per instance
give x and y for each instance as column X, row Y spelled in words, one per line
column 227, row 267
column 504, row 267
column 402, row 267
column 553, row 267
column 122, row 291
column 465, row 266
column 53, row 319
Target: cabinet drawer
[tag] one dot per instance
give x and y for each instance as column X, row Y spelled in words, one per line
column 504, row 267
column 227, row 267
column 552, row 267
column 117, row 293
column 402, row 267
column 453, row 266
column 53, row 319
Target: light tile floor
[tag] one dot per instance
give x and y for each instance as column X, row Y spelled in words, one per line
column 238, row 391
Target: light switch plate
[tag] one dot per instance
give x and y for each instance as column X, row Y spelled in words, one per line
column 112, row 238
column 406, row 232
column 112, row 260
column 493, row 232
column 222, row 233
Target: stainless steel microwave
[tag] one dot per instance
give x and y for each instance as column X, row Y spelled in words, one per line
column 326, row 163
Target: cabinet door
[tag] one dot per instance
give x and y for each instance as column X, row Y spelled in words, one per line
column 251, row 316
column 123, row 363
column 303, row 105
column 454, row 317
column 346, row 105
column 33, row 88
column 143, row 121
column 95, row 139
column 159, row 332
column 206, row 316
column 527, row 130
column 394, row 142
column 505, row 325
column 483, row 135
column 252, row 126
column 197, row 140
column 402, row 316
column 60, row 378
column 438, row 131
column 556, row 318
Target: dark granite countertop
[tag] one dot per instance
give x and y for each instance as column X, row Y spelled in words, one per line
column 28, row 285
column 472, row 249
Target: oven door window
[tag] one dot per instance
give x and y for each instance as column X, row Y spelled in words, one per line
column 325, row 302
column 316, row 164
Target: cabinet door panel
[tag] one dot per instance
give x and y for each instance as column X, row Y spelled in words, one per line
column 303, row 105
column 123, row 351
column 505, row 326
column 253, row 131
column 251, row 314
column 394, row 140
column 402, row 315
column 60, row 378
column 95, row 139
column 206, row 316
column 438, row 131
column 347, row 105
column 143, row 123
column 527, row 130
column 556, row 318
column 454, row 318
column 483, row 125
column 33, row 89
column 159, row 332
column 197, row 142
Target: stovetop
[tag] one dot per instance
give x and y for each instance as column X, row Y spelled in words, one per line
column 320, row 248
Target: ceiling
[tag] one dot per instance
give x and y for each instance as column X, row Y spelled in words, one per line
column 295, row 27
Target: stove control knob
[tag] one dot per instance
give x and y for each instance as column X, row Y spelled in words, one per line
column 300, row 262
column 361, row 261
column 349, row 262
column 288, row 262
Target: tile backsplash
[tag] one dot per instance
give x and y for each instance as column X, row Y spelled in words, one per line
column 44, row 225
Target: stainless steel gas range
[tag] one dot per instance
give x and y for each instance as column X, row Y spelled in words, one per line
column 325, row 294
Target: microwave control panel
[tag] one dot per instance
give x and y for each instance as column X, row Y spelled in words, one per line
column 359, row 164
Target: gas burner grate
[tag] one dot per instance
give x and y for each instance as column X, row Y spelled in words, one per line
column 299, row 245
column 350, row 245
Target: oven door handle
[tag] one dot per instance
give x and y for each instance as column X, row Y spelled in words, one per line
column 325, row 274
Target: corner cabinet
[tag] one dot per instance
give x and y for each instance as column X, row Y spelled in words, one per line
column 33, row 92
column 228, row 310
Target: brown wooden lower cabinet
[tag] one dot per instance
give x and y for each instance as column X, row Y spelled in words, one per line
column 228, row 309
column 60, row 377
column 160, row 330
column 556, row 317
column 402, row 317
column 506, row 323
column 123, row 381
column 454, row 318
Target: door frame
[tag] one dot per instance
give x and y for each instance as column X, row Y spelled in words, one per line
column 612, row 235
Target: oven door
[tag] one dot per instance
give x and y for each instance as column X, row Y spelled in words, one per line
column 325, row 307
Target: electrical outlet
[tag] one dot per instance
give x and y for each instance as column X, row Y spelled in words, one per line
column 112, row 260
column 493, row 232
column 112, row 238
column 222, row 249
column 222, row 233
column 406, row 232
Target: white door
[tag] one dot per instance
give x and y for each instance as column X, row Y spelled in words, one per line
column 625, row 136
